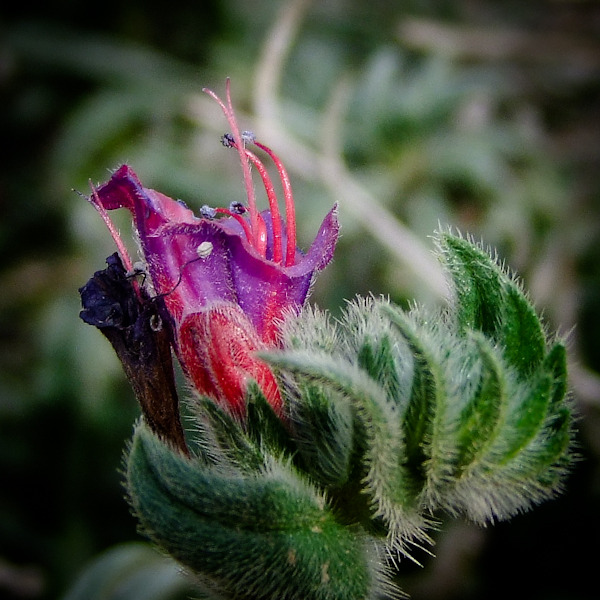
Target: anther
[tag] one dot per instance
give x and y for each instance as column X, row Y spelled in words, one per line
column 208, row 212
column 237, row 208
column 228, row 140
column 248, row 137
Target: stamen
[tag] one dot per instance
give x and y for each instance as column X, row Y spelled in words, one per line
column 227, row 140
column 257, row 240
column 273, row 205
column 256, row 228
column 239, row 219
column 116, row 236
column 290, row 210
column 248, row 137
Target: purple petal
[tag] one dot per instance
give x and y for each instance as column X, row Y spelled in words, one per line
column 194, row 263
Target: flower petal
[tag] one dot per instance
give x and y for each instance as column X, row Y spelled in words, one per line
column 217, row 349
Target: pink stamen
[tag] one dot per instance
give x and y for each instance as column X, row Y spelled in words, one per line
column 290, row 210
column 238, row 218
column 116, row 236
column 255, row 219
column 273, row 205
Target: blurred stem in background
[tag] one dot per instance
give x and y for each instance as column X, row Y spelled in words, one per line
column 473, row 114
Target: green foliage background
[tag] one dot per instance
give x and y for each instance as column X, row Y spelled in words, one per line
column 475, row 114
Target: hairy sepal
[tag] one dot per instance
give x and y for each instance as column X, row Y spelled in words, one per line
column 379, row 439
column 266, row 536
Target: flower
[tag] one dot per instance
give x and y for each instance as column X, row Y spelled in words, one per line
column 227, row 278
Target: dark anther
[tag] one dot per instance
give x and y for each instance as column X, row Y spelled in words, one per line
column 237, row 208
column 228, row 140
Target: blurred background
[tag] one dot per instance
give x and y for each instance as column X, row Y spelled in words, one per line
column 477, row 114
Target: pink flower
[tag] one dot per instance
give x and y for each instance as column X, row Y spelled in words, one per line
column 228, row 278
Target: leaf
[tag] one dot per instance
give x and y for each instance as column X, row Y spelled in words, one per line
column 221, row 437
column 388, row 482
column 520, row 332
column 526, row 418
column 259, row 537
column 377, row 359
column 556, row 364
column 480, row 418
column 550, row 451
column 478, row 284
column 263, row 426
column 488, row 300
column 426, row 397
column 134, row 571
column 324, row 433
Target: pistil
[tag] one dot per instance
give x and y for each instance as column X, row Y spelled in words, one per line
column 257, row 225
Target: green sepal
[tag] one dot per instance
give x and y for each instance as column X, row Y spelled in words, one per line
column 387, row 480
column 488, row 300
column 547, row 457
column 425, row 404
column 479, row 420
column 526, row 418
column 221, row 437
column 263, row 426
column 258, row 537
column 539, row 424
column 243, row 442
column 323, row 430
column 556, row 365
column 520, row 332
column 376, row 357
column 477, row 284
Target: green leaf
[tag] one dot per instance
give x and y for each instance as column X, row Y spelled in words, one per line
column 264, row 427
column 520, row 333
column 478, row 284
column 259, row 537
column 481, row 416
column 526, row 418
column 134, row 571
column 556, row 364
column 388, row 482
column 426, row 397
column 551, row 447
column 488, row 300
column 324, row 433
column 221, row 437
column 377, row 358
